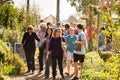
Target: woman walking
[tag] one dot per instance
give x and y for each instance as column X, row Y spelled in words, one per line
column 48, row 62
column 55, row 49
column 28, row 42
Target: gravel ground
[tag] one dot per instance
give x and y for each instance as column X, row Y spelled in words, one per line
column 40, row 76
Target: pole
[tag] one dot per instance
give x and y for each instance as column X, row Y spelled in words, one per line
column 58, row 11
column 28, row 5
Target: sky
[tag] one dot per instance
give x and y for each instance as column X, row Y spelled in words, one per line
column 48, row 7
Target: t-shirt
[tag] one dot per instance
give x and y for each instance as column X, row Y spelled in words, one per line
column 101, row 39
column 88, row 32
column 79, row 48
column 70, row 41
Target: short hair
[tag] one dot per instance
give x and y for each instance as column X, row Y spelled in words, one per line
column 48, row 23
column 71, row 28
column 80, row 26
column 102, row 28
column 41, row 21
column 67, row 26
column 58, row 23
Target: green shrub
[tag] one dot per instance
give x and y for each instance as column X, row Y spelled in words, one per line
column 12, row 64
column 8, row 69
column 96, row 69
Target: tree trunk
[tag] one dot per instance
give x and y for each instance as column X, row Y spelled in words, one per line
column 91, row 21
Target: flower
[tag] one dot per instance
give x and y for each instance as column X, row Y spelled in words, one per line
column 118, row 3
column 111, row 20
column 105, row 6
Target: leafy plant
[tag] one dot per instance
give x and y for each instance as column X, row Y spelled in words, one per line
column 12, row 64
column 96, row 69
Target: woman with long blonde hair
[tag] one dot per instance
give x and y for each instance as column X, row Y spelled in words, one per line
column 56, row 52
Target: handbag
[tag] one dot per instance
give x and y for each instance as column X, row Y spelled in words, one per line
column 63, row 44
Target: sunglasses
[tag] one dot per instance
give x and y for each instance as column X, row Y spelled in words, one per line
column 30, row 29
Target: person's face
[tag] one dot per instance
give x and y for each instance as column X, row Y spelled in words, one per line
column 30, row 30
column 58, row 32
column 43, row 28
column 49, row 31
column 71, row 31
column 79, row 30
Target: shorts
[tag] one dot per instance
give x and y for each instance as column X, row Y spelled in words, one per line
column 69, row 55
column 78, row 58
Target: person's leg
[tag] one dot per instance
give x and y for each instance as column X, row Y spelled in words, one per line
column 76, row 58
column 47, row 67
column 69, row 59
column 76, row 68
column 32, row 62
column 41, row 59
column 60, row 62
column 81, row 62
column 54, row 64
column 81, row 67
column 68, row 66
column 27, row 59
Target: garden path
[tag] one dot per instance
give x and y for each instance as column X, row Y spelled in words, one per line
column 40, row 76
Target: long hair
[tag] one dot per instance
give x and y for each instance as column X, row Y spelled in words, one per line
column 56, row 30
column 47, row 32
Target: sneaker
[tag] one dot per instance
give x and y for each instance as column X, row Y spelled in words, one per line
column 75, row 78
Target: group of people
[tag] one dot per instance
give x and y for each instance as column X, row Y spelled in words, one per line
column 50, row 42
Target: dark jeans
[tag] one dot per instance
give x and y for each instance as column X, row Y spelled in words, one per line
column 48, row 63
column 41, row 53
column 54, row 64
column 30, row 59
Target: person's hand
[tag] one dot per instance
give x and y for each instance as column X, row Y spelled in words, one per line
column 47, row 57
column 22, row 46
column 65, row 54
column 76, row 42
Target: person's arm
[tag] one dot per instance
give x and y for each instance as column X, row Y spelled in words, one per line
column 50, row 45
column 83, row 40
column 80, row 42
column 49, row 49
column 36, row 37
column 24, row 38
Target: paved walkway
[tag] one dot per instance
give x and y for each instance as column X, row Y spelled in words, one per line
column 40, row 76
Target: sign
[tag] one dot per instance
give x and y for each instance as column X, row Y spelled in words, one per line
column 18, row 49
